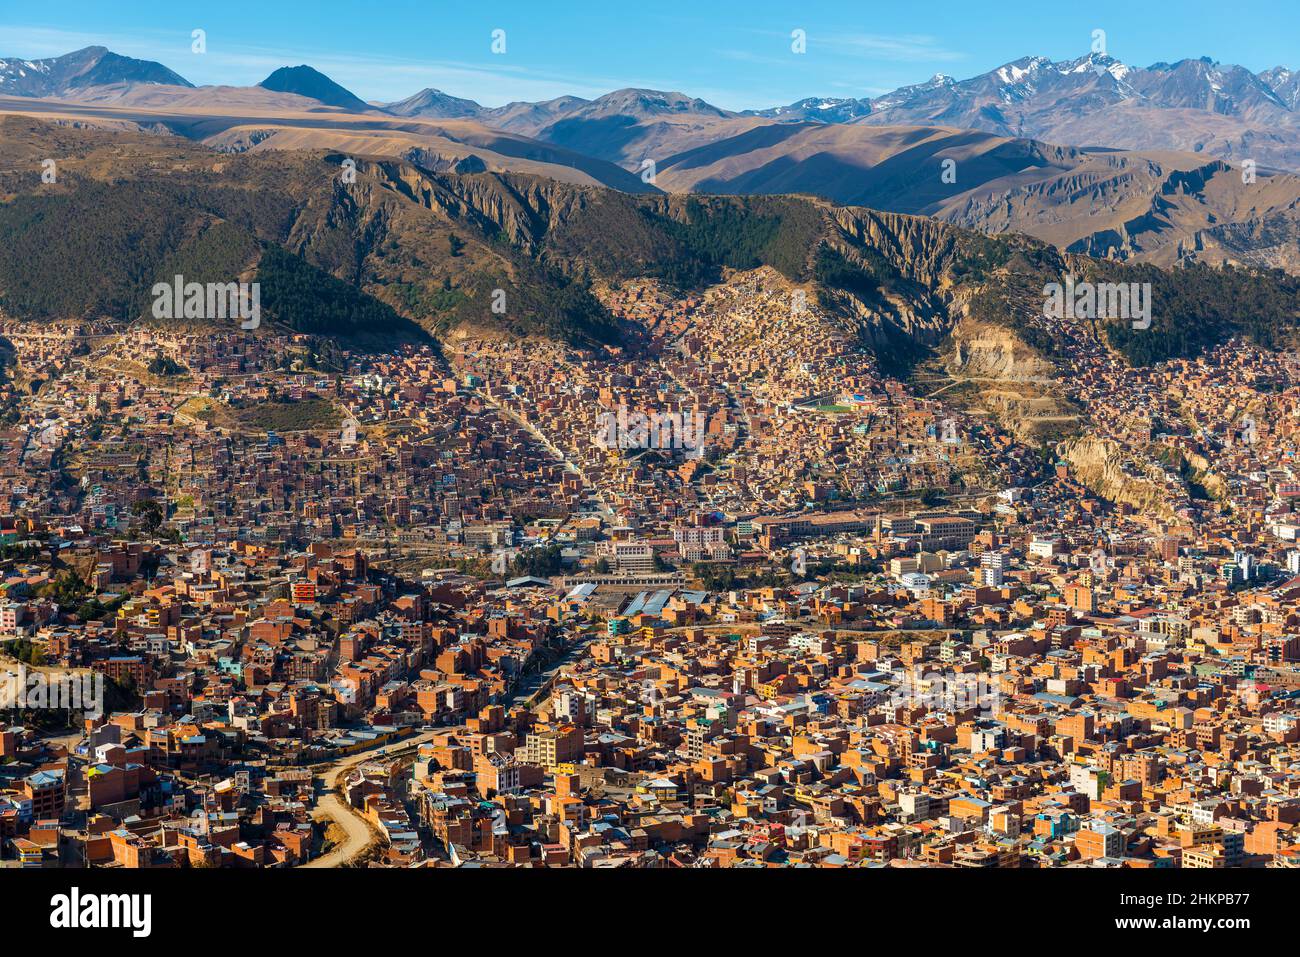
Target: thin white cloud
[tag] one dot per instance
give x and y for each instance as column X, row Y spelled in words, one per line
column 906, row 48
column 900, row 48
column 39, row 42
column 853, row 54
column 859, row 90
column 749, row 56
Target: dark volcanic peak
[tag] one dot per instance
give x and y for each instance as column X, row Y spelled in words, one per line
column 306, row 81
column 92, row 66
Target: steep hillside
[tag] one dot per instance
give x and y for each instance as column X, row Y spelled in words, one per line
column 1114, row 473
column 112, row 228
column 524, row 254
column 1164, row 208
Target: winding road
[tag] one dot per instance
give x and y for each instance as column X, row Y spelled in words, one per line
column 332, row 807
column 359, row 834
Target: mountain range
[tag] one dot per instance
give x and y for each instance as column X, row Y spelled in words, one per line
column 403, row 252
column 1091, row 155
column 1197, row 105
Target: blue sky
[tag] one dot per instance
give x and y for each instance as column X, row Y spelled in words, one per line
column 734, row 54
